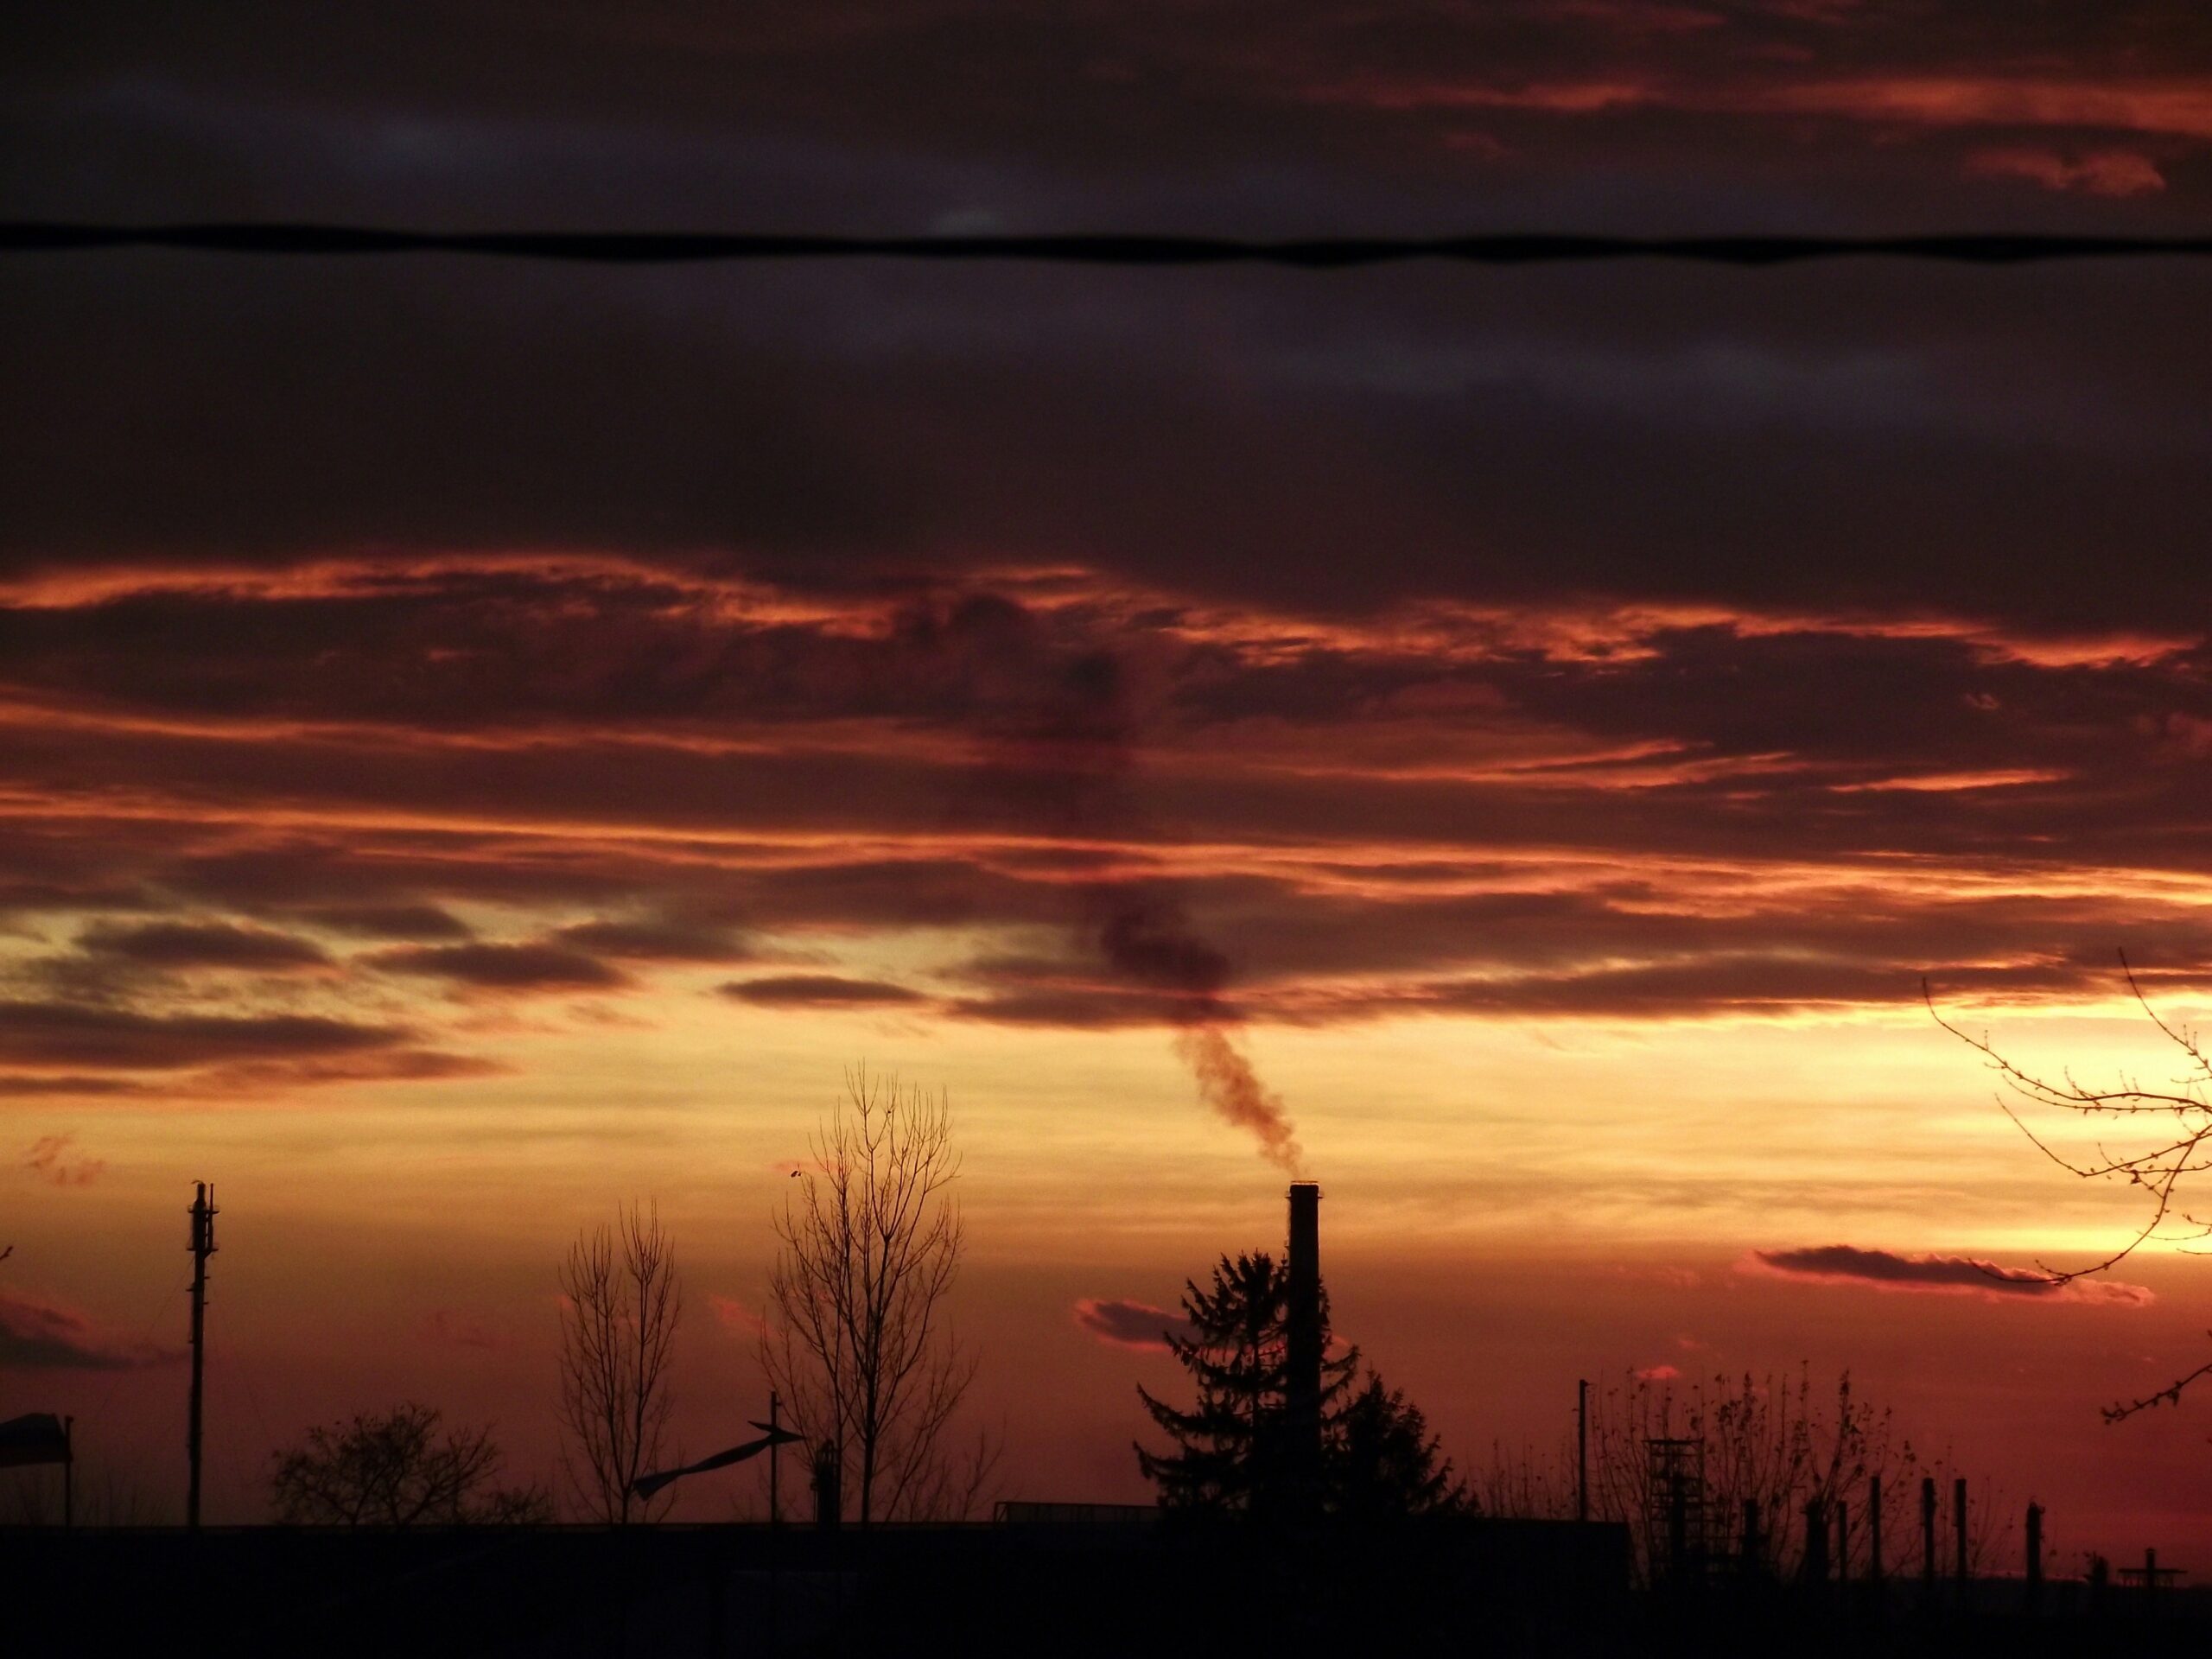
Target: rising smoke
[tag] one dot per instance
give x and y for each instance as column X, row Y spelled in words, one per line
column 1061, row 760
column 1147, row 940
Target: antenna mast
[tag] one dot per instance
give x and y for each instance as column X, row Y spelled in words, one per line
column 202, row 1245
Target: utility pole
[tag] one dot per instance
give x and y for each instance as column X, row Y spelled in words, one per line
column 775, row 1523
column 775, row 1448
column 202, row 1245
column 1928, row 1533
column 1582, row 1449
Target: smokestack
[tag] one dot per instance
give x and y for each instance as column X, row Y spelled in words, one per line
column 1302, row 1388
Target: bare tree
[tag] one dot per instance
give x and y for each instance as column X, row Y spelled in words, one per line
column 858, row 1339
column 396, row 1471
column 2171, row 1130
column 621, row 1302
column 1775, row 1441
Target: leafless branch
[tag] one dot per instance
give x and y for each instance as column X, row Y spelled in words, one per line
column 396, row 1471
column 858, row 1339
column 2169, row 1395
column 620, row 1303
column 2158, row 1170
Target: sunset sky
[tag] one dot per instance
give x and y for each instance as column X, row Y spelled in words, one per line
column 479, row 742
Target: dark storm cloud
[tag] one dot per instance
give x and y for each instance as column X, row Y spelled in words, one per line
column 1739, row 432
column 833, row 426
column 203, row 944
column 819, row 991
column 525, row 967
column 552, row 644
column 68, row 1034
column 1887, row 1270
column 1211, row 646
column 613, row 682
column 808, row 107
column 1319, row 958
column 389, row 921
column 654, row 941
column 940, row 722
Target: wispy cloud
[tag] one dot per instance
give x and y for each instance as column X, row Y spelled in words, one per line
column 735, row 1316
column 41, row 1335
column 1952, row 1274
column 506, row 967
column 819, row 991
column 1124, row 1324
column 50, row 1161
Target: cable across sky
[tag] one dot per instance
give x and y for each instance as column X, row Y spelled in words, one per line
column 1303, row 253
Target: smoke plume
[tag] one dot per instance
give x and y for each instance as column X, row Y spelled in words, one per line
column 1227, row 1083
column 1060, row 753
column 1147, row 940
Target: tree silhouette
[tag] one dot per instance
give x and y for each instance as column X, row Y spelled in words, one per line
column 861, row 1342
column 1380, row 1459
column 396, row 1470
column 1777, row 1441
column 1229, row 1452
column 621, row 1300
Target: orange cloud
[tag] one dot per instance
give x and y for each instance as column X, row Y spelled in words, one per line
column 48, row 1159
column 2176, row 107
column 2099, row 172
column 735, row 1317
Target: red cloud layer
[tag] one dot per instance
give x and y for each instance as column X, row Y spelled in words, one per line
column 1111, row 806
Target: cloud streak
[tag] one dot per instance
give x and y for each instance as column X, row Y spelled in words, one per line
column 1119, row 1322
column 1951, row 1275
column 51, row 1160
column 819, row 991
column 36, row 1334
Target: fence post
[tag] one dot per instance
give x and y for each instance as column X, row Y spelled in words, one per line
column 1874, row 1530
column 1959, row 1530
column 1816, row 1569
column 2035, row 1556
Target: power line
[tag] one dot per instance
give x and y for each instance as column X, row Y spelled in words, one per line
column 1310, row 253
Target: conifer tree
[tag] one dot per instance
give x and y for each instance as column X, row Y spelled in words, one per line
column 1228, row 1449
column 1381, row 1460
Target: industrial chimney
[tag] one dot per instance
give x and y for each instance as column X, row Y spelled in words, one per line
column 1302, row 1345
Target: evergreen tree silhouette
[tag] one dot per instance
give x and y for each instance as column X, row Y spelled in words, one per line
column 1381, row 1460
column 1228, row 1453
